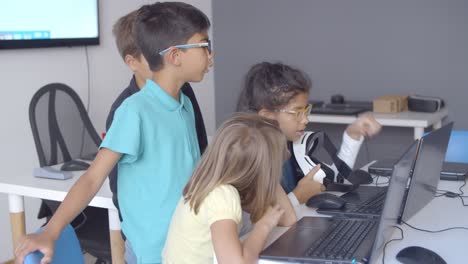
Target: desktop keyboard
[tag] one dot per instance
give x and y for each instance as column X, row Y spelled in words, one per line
column 373, row 205
column 342, row 109
column 338, row 111
column 341, row 240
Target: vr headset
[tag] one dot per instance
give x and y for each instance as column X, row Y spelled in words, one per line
column 304, row 149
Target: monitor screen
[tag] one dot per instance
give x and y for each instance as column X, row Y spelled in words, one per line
column 48, row 23
column 426, row 174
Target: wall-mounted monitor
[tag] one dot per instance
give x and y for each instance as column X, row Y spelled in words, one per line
column 48, row 23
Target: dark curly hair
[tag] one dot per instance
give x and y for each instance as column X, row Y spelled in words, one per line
column 271, row 86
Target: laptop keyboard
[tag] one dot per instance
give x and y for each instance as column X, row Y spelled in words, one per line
column 341, row 239
column 373, row 205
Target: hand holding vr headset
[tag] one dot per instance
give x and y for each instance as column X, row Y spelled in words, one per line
column 308, row 186
column 331, row 176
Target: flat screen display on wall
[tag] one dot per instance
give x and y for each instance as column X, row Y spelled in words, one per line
column 48, row 23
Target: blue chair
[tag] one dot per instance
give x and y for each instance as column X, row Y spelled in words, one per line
column 457, row 150
column 67, row 250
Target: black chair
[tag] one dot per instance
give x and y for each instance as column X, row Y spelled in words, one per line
column 63, row 132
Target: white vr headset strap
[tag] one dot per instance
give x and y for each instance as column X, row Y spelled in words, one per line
column 303, row 160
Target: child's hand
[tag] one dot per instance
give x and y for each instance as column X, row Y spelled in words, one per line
column 308, row 187
column 365, row 125
column 272, row 216
column 42, row 242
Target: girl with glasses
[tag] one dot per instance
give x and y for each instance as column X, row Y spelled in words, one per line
column 280, row 92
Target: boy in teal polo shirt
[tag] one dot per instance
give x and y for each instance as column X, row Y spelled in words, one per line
column 151, row 190
column 152, row 137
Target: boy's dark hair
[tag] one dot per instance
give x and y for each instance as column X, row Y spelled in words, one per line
column 271, row 86
column 161, row 25
column 123, row 33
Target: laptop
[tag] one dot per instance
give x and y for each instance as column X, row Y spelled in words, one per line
column 361, row 240
column 451, row 171
column 367, row 201
column 426, row 178
column 344, row 240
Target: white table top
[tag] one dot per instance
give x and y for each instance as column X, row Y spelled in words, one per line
column 440, row 213
column 20, row 181
column 402, row 119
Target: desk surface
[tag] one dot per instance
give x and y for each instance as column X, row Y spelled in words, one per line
column 402, row 119
column 440, row 213
column 20, row 181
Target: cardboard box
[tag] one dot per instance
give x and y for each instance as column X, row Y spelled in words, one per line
column 390, row 104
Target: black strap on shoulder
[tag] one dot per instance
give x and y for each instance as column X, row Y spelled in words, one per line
column 344, row 171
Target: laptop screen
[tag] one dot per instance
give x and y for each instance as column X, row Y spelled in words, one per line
column 427, row 170
column 395, row 193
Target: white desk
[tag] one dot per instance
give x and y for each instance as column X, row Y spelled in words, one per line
column 19, row 182
column 440, row 213
column 416, row 120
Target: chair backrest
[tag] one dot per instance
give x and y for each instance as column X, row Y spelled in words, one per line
column 63, row 132
column 60, row 125
column 457, row 150
column 67, row 250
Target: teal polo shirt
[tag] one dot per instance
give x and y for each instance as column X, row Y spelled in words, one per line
column 157, row 138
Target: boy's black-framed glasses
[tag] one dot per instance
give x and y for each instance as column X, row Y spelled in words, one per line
column 206, row 45
column 299, row 114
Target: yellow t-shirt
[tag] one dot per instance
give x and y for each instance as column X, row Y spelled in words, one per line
column 189, row 237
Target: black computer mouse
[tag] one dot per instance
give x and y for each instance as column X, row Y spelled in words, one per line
column 360, row 177
column 326, row 201
column 417, row 255
column 74, row 165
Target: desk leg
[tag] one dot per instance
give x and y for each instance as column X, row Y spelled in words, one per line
column 418, row 132
column 18, row 227
column 117, row 243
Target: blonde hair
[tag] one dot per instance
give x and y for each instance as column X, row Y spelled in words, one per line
column 248, row 153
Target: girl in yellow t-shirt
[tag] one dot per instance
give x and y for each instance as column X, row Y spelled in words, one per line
column 240, row 170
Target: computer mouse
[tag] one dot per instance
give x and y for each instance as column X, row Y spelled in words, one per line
column 416, row 255
column 360, row 177
column 326, row 201
column 74, row 165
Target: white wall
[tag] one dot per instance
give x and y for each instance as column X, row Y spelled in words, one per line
column 23, row 72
